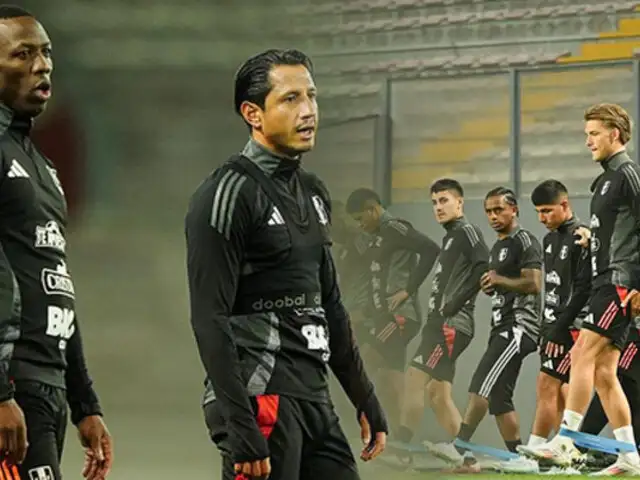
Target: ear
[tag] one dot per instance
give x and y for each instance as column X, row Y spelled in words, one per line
column 252, row 114
column 615, row 134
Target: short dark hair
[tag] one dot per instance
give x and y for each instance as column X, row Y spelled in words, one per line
column 447, row 184
column 505, row 192
column 358, row 199
column 548, row 192
column 13, row 11
column 252, row 78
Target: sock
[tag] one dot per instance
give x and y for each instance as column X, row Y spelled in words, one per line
column 625, row 434
column 535, row 440
column 404, row 434
column 512, row 444
column 572, row 420
column 465, row 434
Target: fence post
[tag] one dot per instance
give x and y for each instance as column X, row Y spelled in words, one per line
column 636, row 107
column 382, row 169
column 514, row 134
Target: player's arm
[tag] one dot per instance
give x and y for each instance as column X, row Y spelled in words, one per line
column 13, row 435
column 477, row 252
column 405, row 237
column 345, row 361
column 86, row 413
column 529, row 282
column 216, row 225
column 10, row 309
column 631, row 188
column 81, row 397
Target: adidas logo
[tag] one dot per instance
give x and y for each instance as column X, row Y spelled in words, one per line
column 419, row 359
column 276, row 217
column 16, row 170
column 548, row 364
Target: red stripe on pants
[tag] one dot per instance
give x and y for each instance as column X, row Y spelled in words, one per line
column 622, row 294
column 449, row 338
column 267, row 413
column 266, row 419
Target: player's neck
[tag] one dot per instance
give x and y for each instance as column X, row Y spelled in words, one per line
column 569, row 216
column 453, row 221
column 260, row 140
column 506, row 233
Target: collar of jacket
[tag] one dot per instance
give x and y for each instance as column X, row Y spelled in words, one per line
column 270, row 163
column 456, row 222
column 384, row 218
column 9, row 121
column 569, row 224
column 615, row 160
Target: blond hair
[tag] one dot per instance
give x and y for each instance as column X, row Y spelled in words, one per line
column 612, row 116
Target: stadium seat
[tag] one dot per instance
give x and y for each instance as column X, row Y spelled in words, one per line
column 452, row 125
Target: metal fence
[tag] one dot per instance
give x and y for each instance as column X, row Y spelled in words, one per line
column 514, row 128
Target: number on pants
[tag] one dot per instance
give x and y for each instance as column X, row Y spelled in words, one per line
column 316, row 336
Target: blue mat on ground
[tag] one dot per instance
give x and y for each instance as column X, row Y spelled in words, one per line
column 595, row 442
column 491, row 451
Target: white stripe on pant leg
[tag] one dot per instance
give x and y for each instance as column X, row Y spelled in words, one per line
column 497, row 369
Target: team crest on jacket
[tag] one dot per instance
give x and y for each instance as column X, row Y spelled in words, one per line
column 605, row 187
column 318, row 204
column 564, row 252
column 56, row 180
column 503, row 254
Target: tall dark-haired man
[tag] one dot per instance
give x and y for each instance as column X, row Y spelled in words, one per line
column 42, row 364
column 464, row 258
column 265, row 306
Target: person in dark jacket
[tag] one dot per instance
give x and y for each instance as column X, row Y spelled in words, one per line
column 399, row 260
column 42, row 364
column 266, row 309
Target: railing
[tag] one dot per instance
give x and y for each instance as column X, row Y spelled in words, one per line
column 590, row 86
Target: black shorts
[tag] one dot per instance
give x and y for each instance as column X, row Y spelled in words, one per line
column 559, row 367
column 606, row 318
column 305, row 439
column 45, row 412
column 390, row 335
column 629, row 363
column 439, row 350
column 497, row 373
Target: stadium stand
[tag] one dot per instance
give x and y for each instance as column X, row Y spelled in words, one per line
column 450, row 94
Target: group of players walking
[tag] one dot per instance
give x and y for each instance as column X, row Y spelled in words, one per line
column 583, row 328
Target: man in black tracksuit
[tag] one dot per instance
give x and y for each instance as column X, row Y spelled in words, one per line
column 42, row 365
column 400, row 259
column 567, row 288
column 463, row 259
column 265, row 304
